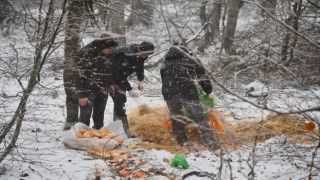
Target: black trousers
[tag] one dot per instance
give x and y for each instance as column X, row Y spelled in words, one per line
column 96, row 107
column 119, row 99
column 197, row 115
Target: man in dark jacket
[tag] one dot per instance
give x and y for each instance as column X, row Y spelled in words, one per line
column 94, row 79
column 129, row 59
column 179, row 72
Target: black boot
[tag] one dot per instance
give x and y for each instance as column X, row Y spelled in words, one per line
column 126, row 127
column 210, row 141
column 181, row 137
column 68, row 125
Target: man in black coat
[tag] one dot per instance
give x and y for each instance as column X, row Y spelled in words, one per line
column 94, row 79
column 179, row 73
column 128, row 59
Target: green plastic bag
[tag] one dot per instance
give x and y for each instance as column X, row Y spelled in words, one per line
column 179, row 160
column 203, row 99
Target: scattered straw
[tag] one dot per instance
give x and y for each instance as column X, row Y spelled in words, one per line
column 274, row 125
column 154, row 124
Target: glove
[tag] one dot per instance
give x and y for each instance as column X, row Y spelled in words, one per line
column 140, row 85
column 134, row 93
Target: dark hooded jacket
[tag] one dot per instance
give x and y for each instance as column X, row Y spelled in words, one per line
column 179, row 74
column 126, row 62
column 94, row 71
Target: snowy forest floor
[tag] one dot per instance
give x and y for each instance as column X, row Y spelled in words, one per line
column 40, row 153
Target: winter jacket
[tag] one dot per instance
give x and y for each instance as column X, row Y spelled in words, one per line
column 179, row 73
column 126, row 62
column 94, row 71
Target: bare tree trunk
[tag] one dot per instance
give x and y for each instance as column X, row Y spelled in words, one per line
column 216, row 16
column 206, row 39
column 285, row 42
column 230, row 29
column 141, row 11
column 104, row 14
column 293, row 20
column 42, row 51
column 117, row 19
column 72, row 44
column 297, row 11
column 213, row 20
column 5, row 9
column 202, row 12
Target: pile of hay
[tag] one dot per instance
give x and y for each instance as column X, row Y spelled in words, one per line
column 275, row 125
column 150, row 123
column 155, row 125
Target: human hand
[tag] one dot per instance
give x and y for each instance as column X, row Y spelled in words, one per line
column 84, row 101
column 111, row 89
column 134, row 93
column 140, row 85
column 209, row 96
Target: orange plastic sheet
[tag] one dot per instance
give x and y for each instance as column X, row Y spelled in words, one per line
column 217, row 125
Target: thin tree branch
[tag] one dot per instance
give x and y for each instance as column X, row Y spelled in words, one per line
column 285, row 24
column 317, row 108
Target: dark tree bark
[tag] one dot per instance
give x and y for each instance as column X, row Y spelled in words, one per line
column 202, row 12
column 72, row 44
column 117, row 19
column 290, row 40
column 104, row 14
column 213, row 20
column 5, row 10
column 216, row 16
column 230, row 29
column 295, row 25
column 206, row 39
column 141, row 11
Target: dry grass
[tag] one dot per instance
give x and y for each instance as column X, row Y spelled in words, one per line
column 154, row 123
column 292, row 126
column 150, row 123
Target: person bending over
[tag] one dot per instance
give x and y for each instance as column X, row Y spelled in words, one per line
column 128, row 59
column 179, row 73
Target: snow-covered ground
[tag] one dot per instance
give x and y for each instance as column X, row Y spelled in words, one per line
column 41, row 154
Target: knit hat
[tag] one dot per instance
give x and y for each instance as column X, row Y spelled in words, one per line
column 106, row 43
column 146, row 47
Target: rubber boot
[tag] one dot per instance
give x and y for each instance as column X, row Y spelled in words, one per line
column 181, row 137
column 210, row 141
column 126, row 127
column 178, row 129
